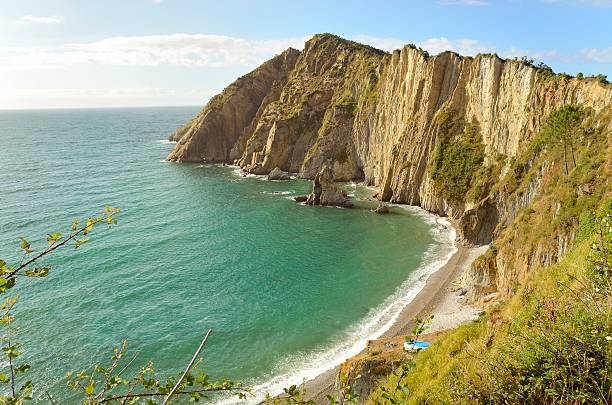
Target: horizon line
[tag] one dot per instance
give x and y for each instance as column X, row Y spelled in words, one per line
column 100, row 107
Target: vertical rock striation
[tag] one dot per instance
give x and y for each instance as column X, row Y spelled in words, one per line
column 391, row 120
column 218, row 132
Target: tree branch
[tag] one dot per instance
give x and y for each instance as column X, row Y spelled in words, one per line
column 10, row 356
column 50, row 397
column 54, row 247
column 178, row 383
column 159, row 394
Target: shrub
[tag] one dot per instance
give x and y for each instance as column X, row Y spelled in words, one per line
column 346, row 101
column 456, row 160
column 558, row 350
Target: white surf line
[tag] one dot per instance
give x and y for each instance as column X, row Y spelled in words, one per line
column 376, row 323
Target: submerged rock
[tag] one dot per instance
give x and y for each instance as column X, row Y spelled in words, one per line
column 278, row 174
column 301, row 198
column 325, row 192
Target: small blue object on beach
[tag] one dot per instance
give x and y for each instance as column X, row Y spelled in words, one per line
column 416, row 345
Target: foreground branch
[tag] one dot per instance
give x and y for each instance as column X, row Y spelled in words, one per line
column 159, row 394
column 193, row 359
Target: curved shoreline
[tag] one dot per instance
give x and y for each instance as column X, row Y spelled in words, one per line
column 434, row 298
column 320, row 371
column 423, row 290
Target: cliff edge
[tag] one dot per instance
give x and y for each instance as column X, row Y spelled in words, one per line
column 443, row 132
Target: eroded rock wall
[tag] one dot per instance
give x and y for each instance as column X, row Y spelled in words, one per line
column 379, row 117
column 375, row 116
column 219, row 130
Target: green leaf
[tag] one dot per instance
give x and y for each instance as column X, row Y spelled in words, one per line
column 332, row 400
column 79, row 242
column 3, row 378
column 25, row 245
column 11, row 351
column 2, row 265
column 89, row 390
column 53, row 237
column 203, row 378
column 26, row 390
column 22, row 368
column 38, row 272
column 88, row 226
column 5, row 283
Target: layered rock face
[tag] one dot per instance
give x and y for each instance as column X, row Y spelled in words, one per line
column 215, row 134
column 391, row 120
column 375, row 116
column 294, row 112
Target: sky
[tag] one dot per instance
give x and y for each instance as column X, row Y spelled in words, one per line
column 107, row 53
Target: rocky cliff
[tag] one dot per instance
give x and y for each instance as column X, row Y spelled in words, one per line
column 216, row 133
column 441, row 132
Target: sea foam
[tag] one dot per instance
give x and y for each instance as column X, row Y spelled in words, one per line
column 302, row 367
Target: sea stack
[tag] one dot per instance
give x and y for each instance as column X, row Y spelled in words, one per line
column 325, row 192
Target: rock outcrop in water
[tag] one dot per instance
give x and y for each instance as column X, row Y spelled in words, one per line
column 382, row 209
column 402, row 122
column 326, row 193
column 278, row 174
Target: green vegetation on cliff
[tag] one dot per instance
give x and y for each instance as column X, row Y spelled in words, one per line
column 549, row 344
column 456, row 159
column 550, row 338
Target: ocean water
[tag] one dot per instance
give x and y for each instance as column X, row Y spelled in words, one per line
column 289, row 290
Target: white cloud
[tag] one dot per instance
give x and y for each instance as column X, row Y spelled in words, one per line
column 386, row 44
column 472, row 3
column 177, row 49
column 30, row 19
column 472, row 47
column 462, row 46
column 201, row 50
column 101, row 97
column 69, row 93
column 598, row 55
column 233, row 54
column 546, row 55
column 434, row 46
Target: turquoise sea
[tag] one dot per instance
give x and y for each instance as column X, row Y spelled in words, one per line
column 289, row 290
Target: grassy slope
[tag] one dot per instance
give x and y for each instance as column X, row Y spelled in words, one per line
column 464, row 366
column 506, row 355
